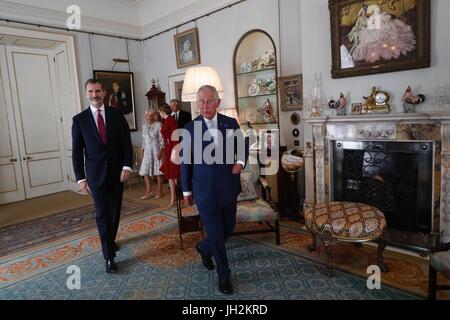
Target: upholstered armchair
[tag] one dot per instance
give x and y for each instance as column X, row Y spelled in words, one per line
column 439, row 262
column 255, row 204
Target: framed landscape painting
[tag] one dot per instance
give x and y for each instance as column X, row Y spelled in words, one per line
column 369, row 37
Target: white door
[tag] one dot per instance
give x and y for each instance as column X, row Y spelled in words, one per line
column 11, row 182
column 67, row 104
column 38, row 120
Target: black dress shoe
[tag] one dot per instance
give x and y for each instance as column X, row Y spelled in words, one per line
column 111, row 266
column 207, row 261
column 225, row 286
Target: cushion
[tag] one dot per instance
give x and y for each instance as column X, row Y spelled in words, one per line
column 255, row 211
column 441, row 262
column 346, row 220
column 248, row 187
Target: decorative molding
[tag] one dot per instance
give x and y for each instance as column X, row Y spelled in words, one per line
column 31, row 14
column 183, row 15
column 392, row 117
column 445, row 181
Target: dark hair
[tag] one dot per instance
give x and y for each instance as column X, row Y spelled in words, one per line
column 116, row 82
column 93, row 81
column 165, row 108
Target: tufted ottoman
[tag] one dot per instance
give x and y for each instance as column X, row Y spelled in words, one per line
column 348, row 222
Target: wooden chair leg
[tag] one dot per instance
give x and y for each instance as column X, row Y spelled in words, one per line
column 277, row 232
column 382, row 242
column 313, row 245
column 432, row 282
column 329, row 253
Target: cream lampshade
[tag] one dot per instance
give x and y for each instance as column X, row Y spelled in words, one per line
column 230, row 112
column 199, row 76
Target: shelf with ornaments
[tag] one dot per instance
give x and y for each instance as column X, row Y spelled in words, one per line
column 255, row 71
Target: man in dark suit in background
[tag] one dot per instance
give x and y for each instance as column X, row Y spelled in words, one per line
column 181, row 116
column 213, row 187
column 102, row 160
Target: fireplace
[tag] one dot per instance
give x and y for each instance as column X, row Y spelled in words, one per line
column 395, row 177
column 397, row 162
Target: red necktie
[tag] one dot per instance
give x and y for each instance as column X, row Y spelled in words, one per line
column 101, row 127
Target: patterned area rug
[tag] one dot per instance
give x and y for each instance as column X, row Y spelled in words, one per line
column 65, row 224
column 153, row 266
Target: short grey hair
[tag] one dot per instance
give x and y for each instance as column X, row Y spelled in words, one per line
column 210, row 88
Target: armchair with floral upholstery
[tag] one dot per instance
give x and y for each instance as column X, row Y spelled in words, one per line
column 439, row 262
column 255, row 204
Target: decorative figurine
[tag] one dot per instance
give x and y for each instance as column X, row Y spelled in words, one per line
column 376, row 102
column 410, row 98
column 266, row 111
column 338, row 105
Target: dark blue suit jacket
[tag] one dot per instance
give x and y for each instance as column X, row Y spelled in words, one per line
column 89, row 153
column 211, row 184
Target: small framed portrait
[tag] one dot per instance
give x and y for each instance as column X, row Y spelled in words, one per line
column 187, row 49
column 370, row 37
column 119, row 88
column 291, row 92
column 356, row 108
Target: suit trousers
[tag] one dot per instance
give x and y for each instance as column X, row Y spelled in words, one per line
column 108, row 204
column 219, row 223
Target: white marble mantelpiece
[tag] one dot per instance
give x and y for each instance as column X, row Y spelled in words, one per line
column 432, row 126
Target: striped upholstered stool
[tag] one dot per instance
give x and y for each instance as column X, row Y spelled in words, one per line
column 348, row 222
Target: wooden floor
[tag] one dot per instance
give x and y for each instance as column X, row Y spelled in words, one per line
column 17, row 212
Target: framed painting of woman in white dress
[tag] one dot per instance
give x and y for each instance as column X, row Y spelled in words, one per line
column 187, row 49
column 369, row 37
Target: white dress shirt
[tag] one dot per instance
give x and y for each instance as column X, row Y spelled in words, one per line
column 176, row 115
column 94, row 112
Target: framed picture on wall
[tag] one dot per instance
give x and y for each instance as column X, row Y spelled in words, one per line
column 119, row 87
column 187, row 49
column 369, row 37
column 291, row 93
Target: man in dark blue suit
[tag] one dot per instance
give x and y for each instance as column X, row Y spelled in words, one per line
column 102, row 159
column 210, row 177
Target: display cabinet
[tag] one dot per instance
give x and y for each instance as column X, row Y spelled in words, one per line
column 256, row 92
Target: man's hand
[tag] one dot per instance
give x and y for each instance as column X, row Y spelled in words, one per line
column 188, row 200
column 84, row 187
column 237, row 168
column 125, row 175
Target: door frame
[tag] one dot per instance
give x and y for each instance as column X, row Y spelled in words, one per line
column 73, row 73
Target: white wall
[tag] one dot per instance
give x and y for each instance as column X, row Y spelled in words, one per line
column 104, row 49
column 316, row 57
column 218, row 36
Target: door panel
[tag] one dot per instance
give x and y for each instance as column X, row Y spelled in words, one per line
column 38, row 120
column 35, row 102
column 40, row 176
column 11, row 182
